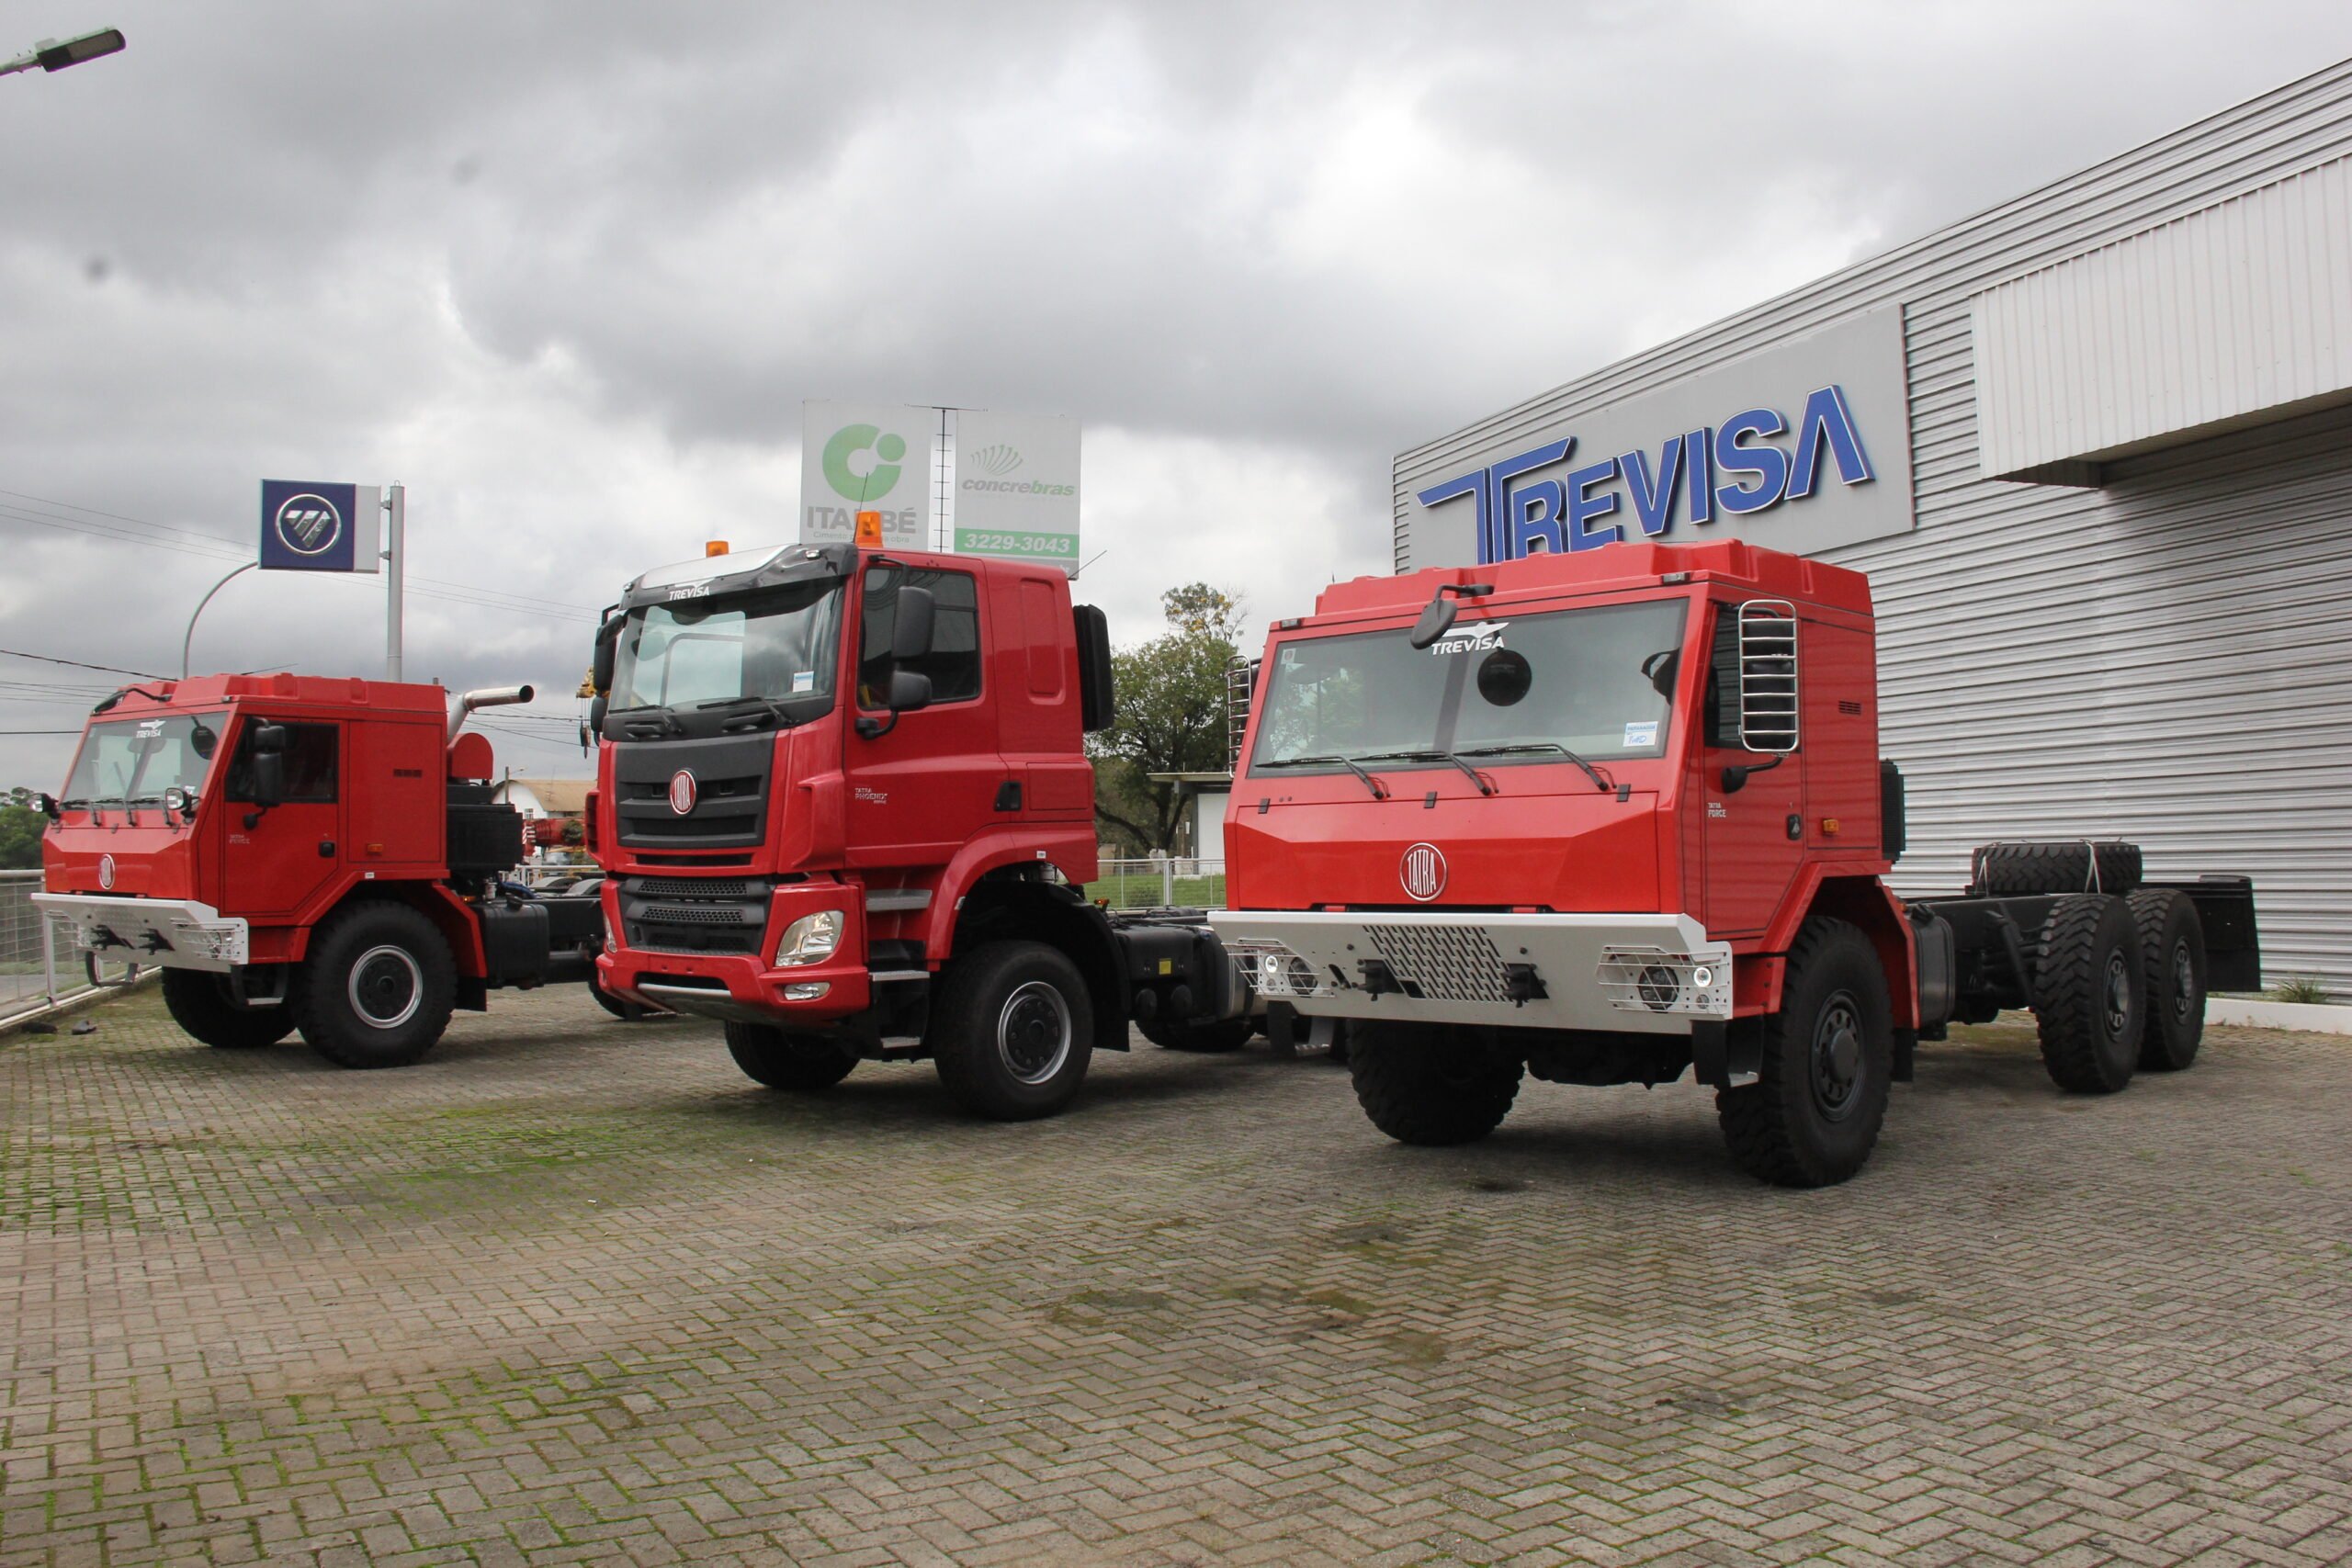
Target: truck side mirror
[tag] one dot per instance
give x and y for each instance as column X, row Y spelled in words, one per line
column 909, row 690
column 608, row 636
column 910, row 631
column 1767, row 676
column 1436, row 619
column 269, row 764
column 598, row 706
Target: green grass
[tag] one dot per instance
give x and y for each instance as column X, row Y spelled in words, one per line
column 2291, row 990
column 1143, row 891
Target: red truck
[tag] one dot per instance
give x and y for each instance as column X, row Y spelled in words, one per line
column 844, row 805
column 297, row 853
column 1619, row 815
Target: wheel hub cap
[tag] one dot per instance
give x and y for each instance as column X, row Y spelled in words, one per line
column 1837, row 1056
column 387, row 988
column 1033, row 1033
column 2119, row 996
column 2184, row 980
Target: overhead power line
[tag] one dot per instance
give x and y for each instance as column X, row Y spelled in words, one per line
column 77, row 664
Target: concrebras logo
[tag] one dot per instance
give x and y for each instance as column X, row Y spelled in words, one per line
column 998, row 459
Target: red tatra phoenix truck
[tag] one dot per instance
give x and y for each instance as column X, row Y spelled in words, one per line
column 1619, row 815
column 299, row 852
column 844, row 805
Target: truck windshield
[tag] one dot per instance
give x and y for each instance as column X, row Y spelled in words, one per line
column 778, row 645
column 134, row 761
column 1505, row 689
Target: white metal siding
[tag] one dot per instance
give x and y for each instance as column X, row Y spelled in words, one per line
column 2214, row 319
column 2170, row 657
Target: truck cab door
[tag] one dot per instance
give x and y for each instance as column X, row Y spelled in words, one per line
column 278, row 857
column 1753, row 829
column 924, row 780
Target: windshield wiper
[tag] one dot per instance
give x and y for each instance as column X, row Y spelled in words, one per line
column 1379, row 790
column 784, row 720
column 670, row 723
column 1486, row 785
column 1523, row 748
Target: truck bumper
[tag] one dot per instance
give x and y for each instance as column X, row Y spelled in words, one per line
column 1640, row 974
column 176, row 933
column 738, row 988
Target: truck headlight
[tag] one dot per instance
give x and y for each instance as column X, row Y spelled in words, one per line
column 811, row 938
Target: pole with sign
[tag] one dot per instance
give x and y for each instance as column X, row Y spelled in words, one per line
column 1016, row 487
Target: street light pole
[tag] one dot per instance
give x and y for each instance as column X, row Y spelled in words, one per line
column 189, row 641
column 50, row 55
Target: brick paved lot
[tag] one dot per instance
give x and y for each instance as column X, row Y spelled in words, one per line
column 573, row 1291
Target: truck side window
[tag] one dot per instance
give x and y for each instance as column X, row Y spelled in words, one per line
column 954, row 662
column 310, row 764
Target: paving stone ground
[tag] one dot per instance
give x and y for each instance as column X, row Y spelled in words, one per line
column 573, row 1291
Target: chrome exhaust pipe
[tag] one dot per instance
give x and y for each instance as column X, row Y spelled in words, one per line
column 463, row 702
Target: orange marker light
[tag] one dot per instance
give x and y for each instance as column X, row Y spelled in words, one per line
column 870, row 530
column 715, row 547
column 1829, row 826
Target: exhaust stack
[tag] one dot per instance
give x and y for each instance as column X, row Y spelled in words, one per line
column 463, row 702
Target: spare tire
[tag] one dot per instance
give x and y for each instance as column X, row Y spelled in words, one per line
column 2057, row 865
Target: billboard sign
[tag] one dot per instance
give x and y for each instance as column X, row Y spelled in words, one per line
column 1803, row 447
column 307, row 526
column 1016, row 487
column 865, row 458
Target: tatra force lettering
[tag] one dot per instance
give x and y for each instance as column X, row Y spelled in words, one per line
column 1751, row 462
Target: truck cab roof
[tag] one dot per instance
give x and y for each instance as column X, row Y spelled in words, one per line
column 1613, row 568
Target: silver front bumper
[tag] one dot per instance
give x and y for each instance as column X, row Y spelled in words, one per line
column 1646, row 974
column 177, row 934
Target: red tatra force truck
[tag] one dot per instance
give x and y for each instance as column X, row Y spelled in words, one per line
column 297, row 853
column 1619, row 815
column 844, row 804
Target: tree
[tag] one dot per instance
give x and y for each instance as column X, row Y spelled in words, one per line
column 21, row 822
column 1169, row 718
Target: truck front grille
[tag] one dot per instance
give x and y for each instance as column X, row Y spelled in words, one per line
column 685, row 914
column 1446, row 963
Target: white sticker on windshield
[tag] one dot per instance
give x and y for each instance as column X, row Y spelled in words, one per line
column 803, row 681
column 149, row 727
column 1642, row 734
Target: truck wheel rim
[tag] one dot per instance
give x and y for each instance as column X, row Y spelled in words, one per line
column 1033, row 1033
column 386, row 986
column 2184, row 980
column 1837, row 1056
column 2118, row 997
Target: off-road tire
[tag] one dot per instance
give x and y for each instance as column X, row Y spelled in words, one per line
column 1431, row 1084
column 200, row 1004
column 2059, row 866
column 376, row 988
column 788, row 1059
column 2172, row 945
column 2089, row 991
column 1827, row 1060
column 1209, row 1036
column 1012, row 1030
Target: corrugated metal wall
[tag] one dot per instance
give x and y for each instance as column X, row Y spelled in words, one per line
column 2169, row 656
column 2212, row 318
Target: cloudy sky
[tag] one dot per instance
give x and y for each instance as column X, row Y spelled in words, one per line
column 570, row 270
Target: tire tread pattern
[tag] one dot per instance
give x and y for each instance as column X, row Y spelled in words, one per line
column 1757, row 1118
column 2067, row 998
column 2034, row 866
column 1396, row 1070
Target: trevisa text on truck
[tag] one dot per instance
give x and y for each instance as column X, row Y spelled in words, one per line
column 295, row 851
column 1621, row 815
column 844, row 804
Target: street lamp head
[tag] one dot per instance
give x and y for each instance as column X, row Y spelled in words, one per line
column 52, row 55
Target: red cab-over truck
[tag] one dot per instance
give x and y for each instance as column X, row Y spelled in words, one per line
column 1619, row 815
column 299, row 852
column 844, row 805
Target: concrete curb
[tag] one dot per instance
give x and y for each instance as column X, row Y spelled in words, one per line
column 2246, row 1012
column 73, row 1002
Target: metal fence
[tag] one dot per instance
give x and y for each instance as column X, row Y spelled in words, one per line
column 37, row 965
column 1159, row 883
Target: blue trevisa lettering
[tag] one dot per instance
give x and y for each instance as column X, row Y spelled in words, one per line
column 1733, row 468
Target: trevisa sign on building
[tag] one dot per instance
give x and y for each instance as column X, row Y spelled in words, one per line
column 1016, row 487
column 1804, row 449
column 865, row 458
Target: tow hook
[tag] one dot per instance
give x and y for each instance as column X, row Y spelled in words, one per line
column 1523, row 985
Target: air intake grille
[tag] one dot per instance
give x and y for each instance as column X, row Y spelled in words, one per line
column 693, row 887
column 1443, row 963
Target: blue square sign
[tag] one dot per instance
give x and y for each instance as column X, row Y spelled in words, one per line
column 319, row 528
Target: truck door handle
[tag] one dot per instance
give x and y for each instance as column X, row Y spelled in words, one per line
column 326, row 849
